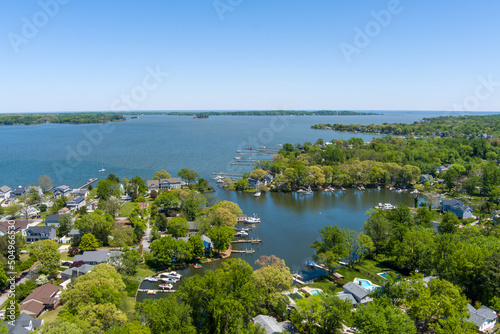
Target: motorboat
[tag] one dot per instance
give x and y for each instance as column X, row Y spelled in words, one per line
column 308, row 191
column 151, row 292
column 257, row 194
column 301, row 191
column 252, row 220
column 197, row 266
column 166, row 286
column 242, row 234
column 152, row 279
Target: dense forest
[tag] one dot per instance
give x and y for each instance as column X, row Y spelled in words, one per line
column 445, row 126
column 63, row 118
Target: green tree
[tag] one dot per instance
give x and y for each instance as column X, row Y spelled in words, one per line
column 45, row 182
column 164, row 250
column 221, row 237
column 47, row 253
column 113, row 178
column 197, row 246
column 107, row 188
column 122, row 237
column 65, row 224
column 271, row 278
column 99, row 225
column 129, row 260
column 165, row 315
column 449, row 224
column 379, row 229
column 4, row 280
column 331, row 248
column 168, row 201
column 12, row 309
column 136, row 187
column 130, row 328
column 178, row 227
column 161, row 174
column 88, row 242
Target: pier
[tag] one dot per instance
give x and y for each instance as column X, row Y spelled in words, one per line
column 298, row 281
column 226, row 174
column 246, row 241
column 156, row 291
column 248, row 251
column 89, row 183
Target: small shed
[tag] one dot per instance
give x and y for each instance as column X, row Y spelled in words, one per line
column 338, row 278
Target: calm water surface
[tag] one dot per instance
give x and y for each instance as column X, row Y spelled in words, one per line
column 71, row 154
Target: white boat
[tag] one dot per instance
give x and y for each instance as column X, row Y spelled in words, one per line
column 242, row 234
column 361, row 188
column 102, row 170
column 238, row 158
column 378, row 187
column 301, row 191
column 252, row 220
column 166, row 286
column 172, row 280
column 257, row 194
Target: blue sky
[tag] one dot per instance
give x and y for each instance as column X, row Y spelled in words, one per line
column 249, row 54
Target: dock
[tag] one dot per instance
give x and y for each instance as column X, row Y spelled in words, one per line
column 298, row 281
column 89, row 183
column 156, row 291
column 226, row 174
column 248, row 251
column 246, row 241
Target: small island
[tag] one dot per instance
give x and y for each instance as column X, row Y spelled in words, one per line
column 60, row 118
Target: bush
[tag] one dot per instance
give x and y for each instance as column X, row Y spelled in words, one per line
column 73, row 251
column 77, row 264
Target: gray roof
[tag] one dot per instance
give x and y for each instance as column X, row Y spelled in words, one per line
column 74, row 232
column 62, row 188
column 76, row 200
column 269, row 324
column 4, row 189
column 21, row 323
column 83, row 269
column 356, row 290
column 481, row 315
column 42, row 229
column 52, row 219
column 98, row 256
column 346, row 296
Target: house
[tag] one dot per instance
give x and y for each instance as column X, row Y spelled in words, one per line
column 271, row 326
column 5, row 192
column 84, row 192
column 207, row 243
column 359, row 293
column 45, row 297
column 75, row 233
column 36, row 233
column 61, row 191
column 426, row 178
column 75, row 272
column 457, row 207
column 496, row 217
column 171, row 183
column 153, row 185
column 32, row 212
column 52, row 220
column 98, row 257
column 23, row 324
column 18, row 226
column 192, row 230
column 484, row 317
column 63, row 211
column 19, row 191
column 254, row 183
column 92, row 205
column 76, row 203
column 442, row 169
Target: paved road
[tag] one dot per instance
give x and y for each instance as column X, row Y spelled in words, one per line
column 4, row 296
column 146, row 239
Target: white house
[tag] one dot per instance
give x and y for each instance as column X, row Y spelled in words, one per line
column 61, row 191
column 5, row 192
column 76, row 203
column 484, row 317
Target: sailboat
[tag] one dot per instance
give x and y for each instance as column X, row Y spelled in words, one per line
column 102, row 169
column 257, row 194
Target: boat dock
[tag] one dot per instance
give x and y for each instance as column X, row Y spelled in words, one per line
column 246, row 241
column 156, row 291
column 248, row 251
column 89, row 183
column 226, row 174
column 298, row 281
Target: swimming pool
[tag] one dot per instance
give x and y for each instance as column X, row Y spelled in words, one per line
column 295, row 296
column 316, row 292
column 386, row 274
column 366, row 284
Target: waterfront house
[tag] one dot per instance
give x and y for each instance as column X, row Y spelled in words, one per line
column 496, row 217
column 61, row 191
column 75, row 272
column 484, row 317
column 153, row 185
column 18, row 226
column 426, row 178
column 23, row 324
column 36, row 233
column 5, row 192
column 45, row 297
column 84, row 192
column 19, row 191
column 92, row 205
column 272, row 326
column 171, row 183
column 98, row 257
column 76, row 203
column 207, row 243
column 457, row 207
column 192, row 230
column 358, row 292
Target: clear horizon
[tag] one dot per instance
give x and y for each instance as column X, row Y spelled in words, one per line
column 227, row 55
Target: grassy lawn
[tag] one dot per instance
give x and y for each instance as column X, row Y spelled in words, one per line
column 373, row 267
column 51, row 316
column 66, row 257
column 350, row 275
column 325, row 285
column 126, row 209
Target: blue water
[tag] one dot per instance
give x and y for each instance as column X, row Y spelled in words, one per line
column 367, row 285
column 316, row 292
column 71, row 154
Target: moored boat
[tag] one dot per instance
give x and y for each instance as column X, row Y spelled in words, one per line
column 252, row 220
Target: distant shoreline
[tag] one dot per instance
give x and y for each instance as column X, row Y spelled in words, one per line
column 105, row 117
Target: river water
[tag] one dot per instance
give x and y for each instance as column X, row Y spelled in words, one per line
column 71, row 154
